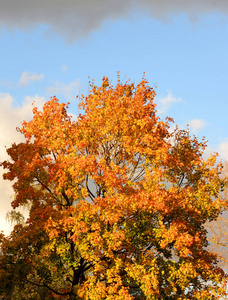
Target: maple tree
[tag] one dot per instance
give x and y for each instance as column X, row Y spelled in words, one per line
column 117, row 203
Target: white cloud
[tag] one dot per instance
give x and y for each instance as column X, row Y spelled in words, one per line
column 165, row 103
column 73, row 18
column 28, row 77
column 196, row 125
column 223, row 149
column 69, row 90
column 10, row 118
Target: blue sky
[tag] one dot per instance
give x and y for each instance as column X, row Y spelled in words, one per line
column 53, row 48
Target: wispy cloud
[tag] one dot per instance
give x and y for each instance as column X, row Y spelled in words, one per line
column 73, row 18
column 27, row 78
column 64, row 68
column 197, row 125
column 165, row 103
column 69, row 90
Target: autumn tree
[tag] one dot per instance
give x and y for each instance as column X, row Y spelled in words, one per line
column 117, row 203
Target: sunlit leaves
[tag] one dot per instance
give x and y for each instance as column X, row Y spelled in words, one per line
column 118, row 203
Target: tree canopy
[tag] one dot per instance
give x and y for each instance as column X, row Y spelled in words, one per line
column 117, row 203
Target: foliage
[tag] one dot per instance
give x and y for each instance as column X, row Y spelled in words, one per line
column 118, row 203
